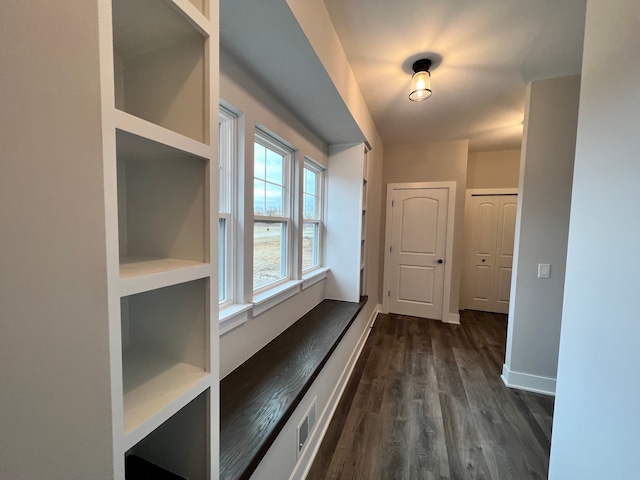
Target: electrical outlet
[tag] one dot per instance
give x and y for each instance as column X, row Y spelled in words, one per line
column 544, row 270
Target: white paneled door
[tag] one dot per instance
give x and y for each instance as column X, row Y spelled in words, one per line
column 488, row 272
column 417, row 251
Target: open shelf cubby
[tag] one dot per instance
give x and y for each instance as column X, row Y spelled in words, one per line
column 176, row 449
column 364, row 194
column 161, row 207
column 165, row 353
column 159, row 65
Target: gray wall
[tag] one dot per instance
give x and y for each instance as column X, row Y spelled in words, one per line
column 542, row 225
column 597, row 426
column 55, row 397
column 431, row 162
column 497, row 169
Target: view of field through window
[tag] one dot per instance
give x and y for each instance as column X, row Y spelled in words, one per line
column 270, row 199
column 271, row 207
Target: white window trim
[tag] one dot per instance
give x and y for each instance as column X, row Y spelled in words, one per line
column 268, row 140
column 233, row 316
column 238, row 314
column 229, row 129
column 320, row 171
column 311, row 277
column 275, row 295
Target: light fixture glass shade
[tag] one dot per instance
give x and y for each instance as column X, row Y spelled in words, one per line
column 420, row 86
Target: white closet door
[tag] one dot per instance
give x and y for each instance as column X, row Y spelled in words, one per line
column 490, row 257
column 504, row 253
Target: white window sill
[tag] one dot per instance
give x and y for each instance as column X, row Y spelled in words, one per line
column 233, row 316
column 272, row 297
column 314, row 276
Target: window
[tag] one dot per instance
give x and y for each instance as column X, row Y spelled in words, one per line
column 226, row 166
column 272, row 228
column 312, row 196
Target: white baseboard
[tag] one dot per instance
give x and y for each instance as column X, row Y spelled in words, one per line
column 307, row 457
column 376, row 311
column 452, row 318
column 528, row 382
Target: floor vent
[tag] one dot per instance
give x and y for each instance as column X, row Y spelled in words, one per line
column 305, row 427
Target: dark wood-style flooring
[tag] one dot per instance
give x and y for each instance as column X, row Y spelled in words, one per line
column 426, row 402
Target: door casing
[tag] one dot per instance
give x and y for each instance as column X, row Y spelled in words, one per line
column 447, row 315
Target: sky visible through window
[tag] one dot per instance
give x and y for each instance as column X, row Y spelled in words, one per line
column 310, row 194
column 268, row 183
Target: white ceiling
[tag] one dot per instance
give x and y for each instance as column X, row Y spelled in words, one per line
column 489, row 51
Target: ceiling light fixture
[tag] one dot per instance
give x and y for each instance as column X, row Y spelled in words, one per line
column 421, row 81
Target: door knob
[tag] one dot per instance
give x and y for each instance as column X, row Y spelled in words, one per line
column 440, row 260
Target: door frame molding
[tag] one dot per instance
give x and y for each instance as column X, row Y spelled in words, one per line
column 447, row 315
column 469, row 192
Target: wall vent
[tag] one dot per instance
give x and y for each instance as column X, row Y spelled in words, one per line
column 305, row 427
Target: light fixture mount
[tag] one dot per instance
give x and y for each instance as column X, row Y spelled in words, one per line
column 422, row 65
column 421, row 80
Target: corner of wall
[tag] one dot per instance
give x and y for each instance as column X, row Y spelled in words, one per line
column 528, row 382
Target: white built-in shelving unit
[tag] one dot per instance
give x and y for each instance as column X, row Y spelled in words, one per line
column 161, row 181
column 363, row 239
column 347, row 222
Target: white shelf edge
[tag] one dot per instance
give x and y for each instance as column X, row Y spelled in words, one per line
column 153, row 281
column 130, row 439
column 142, row 128
column 192, row 15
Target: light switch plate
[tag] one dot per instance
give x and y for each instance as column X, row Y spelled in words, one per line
column 544, row 270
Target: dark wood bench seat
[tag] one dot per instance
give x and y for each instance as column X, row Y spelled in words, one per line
column 259, row 396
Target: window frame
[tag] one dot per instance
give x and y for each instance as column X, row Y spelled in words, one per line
column 320, row 172
column 227, row 203
column 269, row 141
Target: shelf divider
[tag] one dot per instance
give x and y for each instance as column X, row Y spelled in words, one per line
column 148, row 130
column 139, row 275
column 192, row 15
column 155, row 388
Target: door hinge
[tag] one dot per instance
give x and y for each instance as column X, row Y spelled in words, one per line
column 392, row 203
column 390, row 248
column 388, row 293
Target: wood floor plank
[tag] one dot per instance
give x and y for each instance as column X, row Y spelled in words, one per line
column 332, row 436
column 428, row 403
column 504, row 450
column 466, row 457
column 427, row 438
